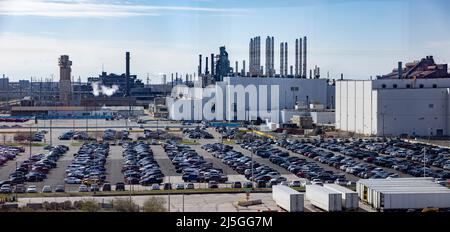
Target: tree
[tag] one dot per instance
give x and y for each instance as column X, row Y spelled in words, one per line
column 125, row 205
column 155, row 204
column 90, row 206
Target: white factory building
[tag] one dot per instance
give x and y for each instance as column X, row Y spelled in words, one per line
column 225, row 99
column 393, row 107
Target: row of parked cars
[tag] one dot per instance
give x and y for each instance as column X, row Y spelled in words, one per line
column 262, row 175
column 197, row 133
column 9, row 153
column 36, row 167
column 192, row 166
column 294, row 164
column 75, row 135
column 88, row 165
column 396, row 154
column 227, row 132
column 140, row 166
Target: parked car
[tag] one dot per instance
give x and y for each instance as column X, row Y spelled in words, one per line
column 20, row 188
column 46, row 189
column 167, row 186
column 120, row 186
column 32, row 189
column 94, row 188
column 60, row 189
column 6, row 188
column 106, row 187
column 213, row 184
column 156, row 187
column 83, row 188
column 236, row 184
column 189, row 186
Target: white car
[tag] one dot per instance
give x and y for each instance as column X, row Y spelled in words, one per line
column 295, row 183
column 189, row 186
column 47, row 189
column 83, row 188
column 155, row 187
column 179, row 186
column 285, row 183
column 72, row 180
column 340, row 181
column 32, row 189
column 317, row 181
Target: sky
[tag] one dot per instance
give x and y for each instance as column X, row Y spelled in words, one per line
column 357, row 38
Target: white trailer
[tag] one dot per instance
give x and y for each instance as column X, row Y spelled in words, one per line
column 349, row 198
column 287, row 198
column 324, row 198
column 403, row 193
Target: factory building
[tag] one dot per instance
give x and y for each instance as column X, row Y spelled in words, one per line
column 412, row 100
column 264, row 98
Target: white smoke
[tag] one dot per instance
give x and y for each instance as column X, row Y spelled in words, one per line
column 102, row 89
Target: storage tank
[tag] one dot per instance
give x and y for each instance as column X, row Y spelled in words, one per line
column 324, row 198
column 287, row 198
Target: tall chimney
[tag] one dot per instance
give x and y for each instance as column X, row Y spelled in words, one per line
column 300, row 54
column 296, row 57
column 172, row 79
column 305, row 68
column 243, row 68
column 281, row 59
column 206, row 66
column 285, row 58
column 400, row 70
column 199, row 64
column 212, row 64
column 291, row 70
column 236, row 71
column 127, row 67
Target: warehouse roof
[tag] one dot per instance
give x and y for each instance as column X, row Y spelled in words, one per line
column 404, row 185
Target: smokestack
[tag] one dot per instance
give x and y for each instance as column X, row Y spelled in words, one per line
column 310, row 74
column 272, row 57
column 305, row 68
column 199, row 64
column 127, row 65
column 400, row 70
column 281, row 59
column 212, row 64
column 206, row 67
column 291, row 67
column 300, row 53
column 250, row 55
column 236, row 71
column 164, row 79
column 296, row 57
column 268, row 43
column 176, row 77
column 285, row 58
column 172, row 79
column 243, row 68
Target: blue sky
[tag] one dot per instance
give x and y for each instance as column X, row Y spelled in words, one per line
column 357, row 38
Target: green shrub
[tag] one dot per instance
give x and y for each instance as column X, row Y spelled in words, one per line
column 125, row 205
column 155, row 204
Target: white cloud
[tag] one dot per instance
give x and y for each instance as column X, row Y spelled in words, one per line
column 87, row 8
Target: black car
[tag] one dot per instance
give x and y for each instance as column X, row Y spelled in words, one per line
column 107, row 187
column 120, row 186
column 167, row 186
column 236, row 184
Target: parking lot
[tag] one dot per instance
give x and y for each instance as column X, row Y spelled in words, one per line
column 332, row 160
